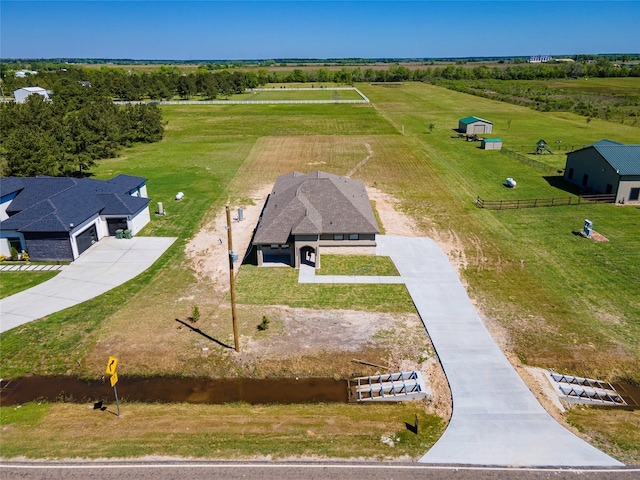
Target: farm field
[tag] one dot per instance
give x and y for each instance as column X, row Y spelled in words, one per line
column 613, row 99
column 288, row 93
column 550, row 298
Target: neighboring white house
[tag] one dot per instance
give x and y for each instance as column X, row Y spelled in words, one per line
column 21, row 94
column 540, row 59
column 24, row 73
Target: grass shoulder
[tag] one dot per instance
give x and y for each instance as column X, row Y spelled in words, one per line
column 614, row 431
column 231, row 431
column 14, row 282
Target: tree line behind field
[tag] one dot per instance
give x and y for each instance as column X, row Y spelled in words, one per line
column 169, row 82
column 67, row 134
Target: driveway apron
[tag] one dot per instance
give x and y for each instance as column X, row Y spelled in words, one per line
column 496, row 419
column 109, row 263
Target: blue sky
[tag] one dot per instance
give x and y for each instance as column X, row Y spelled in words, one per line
column 184, row 30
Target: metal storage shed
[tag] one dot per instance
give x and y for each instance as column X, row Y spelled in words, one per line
column 472, row 125
column 491, row 144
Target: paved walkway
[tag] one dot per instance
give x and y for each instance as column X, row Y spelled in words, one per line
column 27, row 267
column 106, row 265
column 308, row 275
column 496, row 419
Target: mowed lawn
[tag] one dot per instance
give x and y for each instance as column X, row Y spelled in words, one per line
column 203, row 154
column 563, row 302
column 283, row 94
column 567, row 303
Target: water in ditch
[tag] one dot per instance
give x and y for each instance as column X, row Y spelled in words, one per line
column 173, row 389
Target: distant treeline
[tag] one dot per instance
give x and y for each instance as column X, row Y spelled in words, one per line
column 168, row 82
column 41, row 64
column 65, row 136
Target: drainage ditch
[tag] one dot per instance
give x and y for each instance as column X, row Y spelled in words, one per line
column 175, row 390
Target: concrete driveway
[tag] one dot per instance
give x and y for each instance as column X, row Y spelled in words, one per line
column 106, row 265
column 496, row 419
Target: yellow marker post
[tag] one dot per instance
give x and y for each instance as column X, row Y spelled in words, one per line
column 111, row 365
column 111, row 370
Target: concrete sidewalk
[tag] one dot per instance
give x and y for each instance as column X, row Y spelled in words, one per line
column 104, row 266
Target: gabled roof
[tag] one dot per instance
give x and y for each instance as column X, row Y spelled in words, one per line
column 469, row 120
column 10, row 185
column 313, row 204
column 624, row 159
column 34, row 89
column 58, row 204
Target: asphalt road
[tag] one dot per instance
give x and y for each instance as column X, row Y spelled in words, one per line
column 293, row 471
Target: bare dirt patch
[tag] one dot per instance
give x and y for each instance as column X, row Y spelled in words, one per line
column 393, row 220
column 208, row 249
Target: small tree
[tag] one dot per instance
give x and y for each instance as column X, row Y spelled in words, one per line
column 264, row 324
column 14, row 254
column 588, row 121
column 431, row 127
column 195, row 313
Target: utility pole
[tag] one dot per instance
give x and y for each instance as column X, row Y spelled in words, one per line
column 232, row 281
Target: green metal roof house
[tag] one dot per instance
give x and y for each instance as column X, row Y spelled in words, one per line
column 471, row 125
column 606, row 167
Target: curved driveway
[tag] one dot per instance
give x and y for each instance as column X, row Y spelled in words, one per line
column 106, row 265
column 496, row 419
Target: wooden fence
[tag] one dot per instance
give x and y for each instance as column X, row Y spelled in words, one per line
column 542, row 202
column 528, row 161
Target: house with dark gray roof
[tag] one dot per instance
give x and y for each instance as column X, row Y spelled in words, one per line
column 58, row 218
column 309, row 213
column 606, row 167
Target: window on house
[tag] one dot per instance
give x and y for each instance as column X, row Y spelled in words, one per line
column 338, row 236
column 585, row 179
column 15, row 243
column 609, row 188
column 634, row 194
column 570, row 176
column 284, row 247
column 275, row 247
column 354, row 236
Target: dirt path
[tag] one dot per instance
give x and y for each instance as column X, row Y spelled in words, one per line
column 361, row 162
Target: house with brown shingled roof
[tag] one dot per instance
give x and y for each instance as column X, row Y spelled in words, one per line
column 307, row 213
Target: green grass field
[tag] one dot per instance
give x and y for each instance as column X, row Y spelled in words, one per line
column 292, row 94
column 14, row 282
column 525, row 264
column 563, row 302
